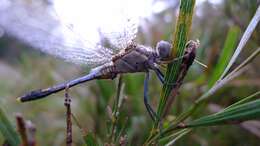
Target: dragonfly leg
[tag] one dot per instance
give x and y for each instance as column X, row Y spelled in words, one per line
column 146, row 97
column 174, row 60
column 159, row 74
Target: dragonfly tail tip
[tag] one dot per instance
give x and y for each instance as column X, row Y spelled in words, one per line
column 19, row 99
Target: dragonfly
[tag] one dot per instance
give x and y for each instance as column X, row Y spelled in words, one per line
column 124, row 54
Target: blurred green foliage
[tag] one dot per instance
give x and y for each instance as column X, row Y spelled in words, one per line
column 23, row 69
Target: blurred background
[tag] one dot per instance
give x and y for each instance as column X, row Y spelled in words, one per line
column 23, row 68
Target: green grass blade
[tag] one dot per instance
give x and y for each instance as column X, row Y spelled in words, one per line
column 178, row 137
column 238, row 113
column 244, row 100
column 244, row 63
column 90, row 139
column 8, row 130
column 167, row 139
column 212, row 90
column 181, row 35
column 236, row 72
column 222, row 81
column 225, row 55
column 250, row 29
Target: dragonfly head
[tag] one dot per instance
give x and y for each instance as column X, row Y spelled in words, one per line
column 163, row 50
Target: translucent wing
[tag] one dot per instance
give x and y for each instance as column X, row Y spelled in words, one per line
column 124, row 32
column 114, row 19
column 38, row 27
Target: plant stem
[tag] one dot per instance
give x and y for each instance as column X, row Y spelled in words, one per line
column 180, row 38
column 180, row 35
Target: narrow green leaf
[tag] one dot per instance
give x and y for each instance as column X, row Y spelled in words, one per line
column 180, row 38
column 236, row 72
column 90, row 139
column 222, row 81
column 119, row 94
column 178, row 137
column 8, row 130
column 166, row 139
column 238, row 113
column 249, row 30
column 244, row 63
column 244, row 100
column 225, row 55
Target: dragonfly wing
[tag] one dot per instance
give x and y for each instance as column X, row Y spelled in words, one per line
column 124, row 26
column 40, row 29
column 122, row 36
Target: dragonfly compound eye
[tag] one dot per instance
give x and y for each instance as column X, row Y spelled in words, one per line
column 163, row 49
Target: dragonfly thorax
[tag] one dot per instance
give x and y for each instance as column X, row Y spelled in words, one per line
column 163, row 50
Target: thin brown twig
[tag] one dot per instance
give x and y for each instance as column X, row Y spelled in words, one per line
column 26, row 130
column 68, row 117
column 116, row 108
column 22, row 129
column 31, row 130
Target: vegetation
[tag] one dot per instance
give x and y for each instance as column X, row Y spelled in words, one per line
column 217, row 105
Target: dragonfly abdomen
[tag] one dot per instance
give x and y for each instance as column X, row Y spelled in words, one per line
column 41, row 93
